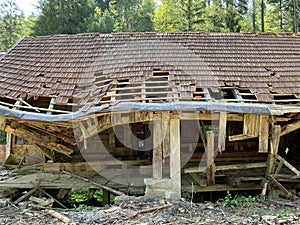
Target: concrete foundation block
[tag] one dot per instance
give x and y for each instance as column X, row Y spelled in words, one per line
column 163, row 189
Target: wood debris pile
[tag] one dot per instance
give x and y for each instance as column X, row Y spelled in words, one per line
column 138, row 211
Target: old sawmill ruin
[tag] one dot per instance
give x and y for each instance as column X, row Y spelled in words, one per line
column 154, row 114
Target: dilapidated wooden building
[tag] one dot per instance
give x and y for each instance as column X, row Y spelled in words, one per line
column 175, row 112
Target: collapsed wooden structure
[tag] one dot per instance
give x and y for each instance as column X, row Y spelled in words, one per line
column 186, row 112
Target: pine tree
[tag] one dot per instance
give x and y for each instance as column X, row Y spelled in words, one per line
column 144, row 21
column 63, row 16
column 10, row 24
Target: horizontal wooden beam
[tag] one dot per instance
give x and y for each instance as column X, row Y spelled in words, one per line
column 240, row 137
column 227, row 167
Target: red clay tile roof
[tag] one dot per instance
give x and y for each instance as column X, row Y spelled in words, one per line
column 64, row 66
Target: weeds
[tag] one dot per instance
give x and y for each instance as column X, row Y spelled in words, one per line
column 237, row 201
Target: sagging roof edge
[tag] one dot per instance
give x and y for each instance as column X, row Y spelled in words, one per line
column 150, row 107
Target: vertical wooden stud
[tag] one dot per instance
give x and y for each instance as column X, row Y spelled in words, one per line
column 210, row 155
column 274, row 144
column 106, row 197
column 222, row 131
column 263, row 134
column 175, row 166
column 157, row 148
column 166, row 133
column 9, row 144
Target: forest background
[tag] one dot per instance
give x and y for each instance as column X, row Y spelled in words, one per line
column 106, row 16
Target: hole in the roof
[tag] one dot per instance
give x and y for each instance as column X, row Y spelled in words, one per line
column 41, row 75
column 45, row 86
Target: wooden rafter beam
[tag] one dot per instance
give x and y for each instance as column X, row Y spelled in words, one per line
column 40, row 139
column 290, row 128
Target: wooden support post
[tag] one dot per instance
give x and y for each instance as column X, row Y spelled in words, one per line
column 175, row 166
column 157, row 148
column 222, row 131
column 210, row 155
column 10, row 138
column 127, row 136
column 106, row 197
column 111, row 138
column 263, row 134
column 274, row 144
column 166, row 133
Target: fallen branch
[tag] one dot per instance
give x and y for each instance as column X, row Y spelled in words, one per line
column 25, row 196
column 59, row 216
column 94, row 183
column 131, row 213
column 154, row 208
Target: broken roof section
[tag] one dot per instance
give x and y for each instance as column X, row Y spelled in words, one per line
column 62, row 74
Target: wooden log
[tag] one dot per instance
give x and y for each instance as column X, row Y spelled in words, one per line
column 210, row 155
column 263, row 134
column 157, row 148
column 61, row 217
column 222, row 131
column 274, row 144
column 290, row 128
column 42, row 202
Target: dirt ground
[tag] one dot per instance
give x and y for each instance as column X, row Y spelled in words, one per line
column 140, row 212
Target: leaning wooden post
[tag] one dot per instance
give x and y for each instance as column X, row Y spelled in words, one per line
column 274, row 144
column 175, row 167
column 210, row 155
column 10, row 139
column 157, row 148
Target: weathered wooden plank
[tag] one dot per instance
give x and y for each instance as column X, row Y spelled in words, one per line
column 263, row 134
column 2, row 123
column 222, row 131
column 241, row 166
column 251, row 122
column 10, row 138
column 157, row 147
column 210, row 155
column 240, row 137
